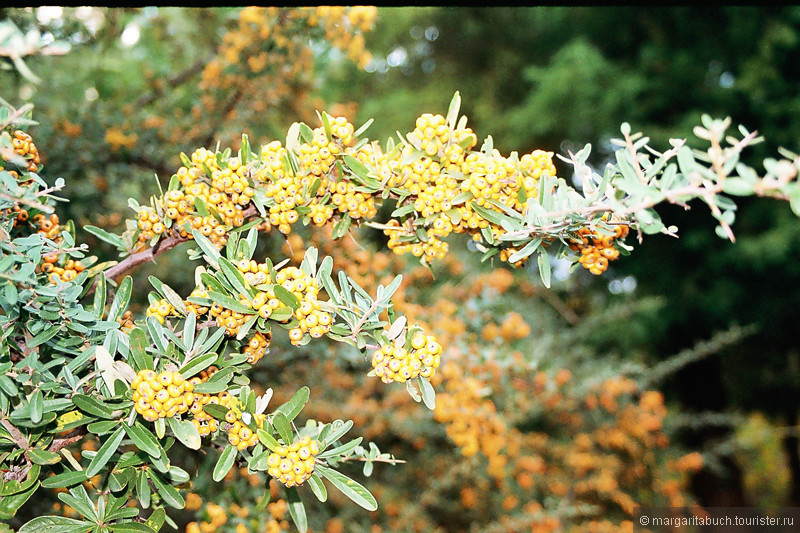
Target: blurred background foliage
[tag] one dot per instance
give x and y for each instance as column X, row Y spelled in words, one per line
column 136, row 90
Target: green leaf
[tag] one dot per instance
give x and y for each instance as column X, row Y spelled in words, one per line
column 37, row 405
column 293, row 407
column 10, row 504
column 338, row 432
column 105, row 453
column 234, row 277
column 80, row 501
column 143, row 490
column 92, row 406
column 67, row 479
column 229, row 303
column 216, row 410
column 169, row 294
column 544, row 269
column 267, row 439
column 283, row 426
column 318, row 487
column 137, row 340
column 14, row 487
column 54, row 524
column 44, row 336
column 224, row 463
column 207, row 247
column 156, row 519
column 349, row 487
column 143, row 439
column 43, row 457
column 131, row 527
column 453, row 110
column 296, row 509
column 428, row 393
column 344, row 449
column 121, row 298
column 198, row 364
column 169, row 493
column 186, row 432
column 105, row 236
column 287, row 298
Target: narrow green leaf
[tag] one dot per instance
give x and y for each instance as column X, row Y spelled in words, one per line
column 169, row 493
column 105, row 236
column 198, row 364
column 293, row 407
column 267, row 439
column 37, row 406
column 137, row 341
column 92, row 406
column 287, row 298
column 544, row 269
column 344, row 449
column 54, row 524
column 67, row 479
column 143, row 439
column 318, row 487
column 283, row 426
column 229, row 303
column 186, row 432
column 121, row 298
column 106, row 451
column 350, row 488
column 216, row 410
column 224, row 463
column 43, row 457
column 428, row 393
column 296, row 509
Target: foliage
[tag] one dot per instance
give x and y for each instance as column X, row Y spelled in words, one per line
column 138, row 394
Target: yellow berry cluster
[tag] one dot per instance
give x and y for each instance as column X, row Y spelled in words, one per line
column 149, row 224
column 161, row 395
column 239, row 434
column 230, row 320
column 24, row 147
column 56, row 273
column 257, row 346
column 205, row 423
column 312, row 319
column 293, row 464
column 348, row 200
column 596, row 249
column 392, row 363
column 223, row 190
column 403, row 239
column 160, row 309
column 199, row 310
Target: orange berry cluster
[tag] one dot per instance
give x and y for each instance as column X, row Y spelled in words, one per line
column 597, row 249
column 56, row 273
column 257, row 346
column 24, row 147
column 48, row 227
column 293, row 464
column 161, row 395
column 126, row 321
column 392, row 363
column 160, row 309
